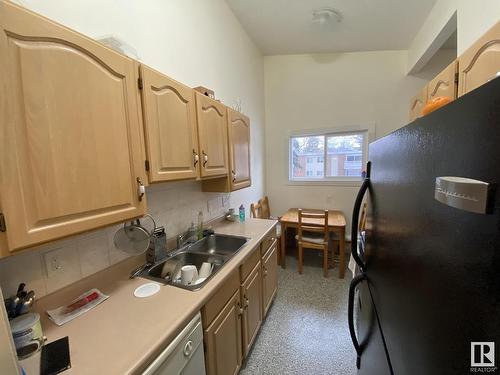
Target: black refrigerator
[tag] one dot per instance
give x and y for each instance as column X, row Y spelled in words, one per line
column 426, row 300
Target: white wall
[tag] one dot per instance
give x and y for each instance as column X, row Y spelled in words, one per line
column 195, row 42
column 474, row 18
column 329, row 91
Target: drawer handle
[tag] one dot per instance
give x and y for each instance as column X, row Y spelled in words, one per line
column 141, row 190
column 188, row 348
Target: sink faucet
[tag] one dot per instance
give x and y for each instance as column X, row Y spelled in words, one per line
column 188, row 236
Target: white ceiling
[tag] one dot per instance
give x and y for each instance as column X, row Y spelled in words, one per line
column 285, row 27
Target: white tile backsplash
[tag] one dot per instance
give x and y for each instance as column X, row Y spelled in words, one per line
column 93, row 253
column 173, row 205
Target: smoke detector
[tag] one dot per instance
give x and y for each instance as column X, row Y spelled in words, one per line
column 326, row 17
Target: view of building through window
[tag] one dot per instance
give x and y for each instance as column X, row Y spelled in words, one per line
column 343, row 155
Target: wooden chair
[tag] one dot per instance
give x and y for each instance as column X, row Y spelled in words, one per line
column 334, row 258
column 256, row 210
column 261, row 210
column 313, row 236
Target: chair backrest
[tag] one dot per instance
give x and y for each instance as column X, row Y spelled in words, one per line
column 256, row 210
column 261, row 209
column 266, row 210
column 313, row 221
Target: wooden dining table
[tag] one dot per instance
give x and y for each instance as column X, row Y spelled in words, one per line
column 336, row 224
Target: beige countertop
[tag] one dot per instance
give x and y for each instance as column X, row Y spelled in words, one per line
column 124, row 333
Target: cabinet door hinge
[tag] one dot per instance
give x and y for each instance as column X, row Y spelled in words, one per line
column 146, row 165
column 139, row 83
column 3, row 226
column 456, row 77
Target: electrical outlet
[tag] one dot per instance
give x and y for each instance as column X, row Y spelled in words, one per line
column 213, row 205
column 62, row 266
column 225, row 201
column 53, row 262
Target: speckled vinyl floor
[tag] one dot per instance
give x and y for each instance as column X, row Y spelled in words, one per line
column 306, row 330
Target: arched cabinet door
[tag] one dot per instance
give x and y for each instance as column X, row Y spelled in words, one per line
column 71, row 157
column 212, row 135
column 239, row 149
column 444, row 84
column 481, row 62
column 170, row 127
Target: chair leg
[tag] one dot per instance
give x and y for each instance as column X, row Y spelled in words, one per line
column 300, row 250
column 325, row 261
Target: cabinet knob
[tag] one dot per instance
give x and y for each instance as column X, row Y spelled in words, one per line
column 196, row 158
column 141, row 189
column 240, row 310
column 188, row 348
column 205, row 158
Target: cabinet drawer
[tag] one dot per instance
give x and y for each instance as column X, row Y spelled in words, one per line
column 268, row 242
column 214, row 306
column 249, row 264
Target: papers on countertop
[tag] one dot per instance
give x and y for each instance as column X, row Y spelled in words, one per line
column 77, row 307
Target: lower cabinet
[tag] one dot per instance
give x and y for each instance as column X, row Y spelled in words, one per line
column 233, row 316
column 251, row 290
column 269, row 277
column 223, row 340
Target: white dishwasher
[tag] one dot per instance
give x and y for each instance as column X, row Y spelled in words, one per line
column 184, row 355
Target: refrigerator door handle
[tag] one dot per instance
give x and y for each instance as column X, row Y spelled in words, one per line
column 350, row 316
column 355, row 218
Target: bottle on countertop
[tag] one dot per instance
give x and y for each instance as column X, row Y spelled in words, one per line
column 242, row 214
column 199, row 231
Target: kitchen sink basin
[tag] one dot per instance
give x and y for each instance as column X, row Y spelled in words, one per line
column 216, row 249
column 218, row 244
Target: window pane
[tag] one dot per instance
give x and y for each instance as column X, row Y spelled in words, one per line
column 344, row 155
column 307, row 157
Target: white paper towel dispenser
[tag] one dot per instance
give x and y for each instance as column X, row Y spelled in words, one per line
column 463, row 193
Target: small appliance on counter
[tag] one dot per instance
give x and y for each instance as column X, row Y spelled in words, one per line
column 232, row 215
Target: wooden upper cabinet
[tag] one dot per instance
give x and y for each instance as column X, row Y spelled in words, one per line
column 417, row 104
column 481, row 62
column 239, row 149
column 445, row 83
column 212, row 136
column 70, row 130
column 170, row 127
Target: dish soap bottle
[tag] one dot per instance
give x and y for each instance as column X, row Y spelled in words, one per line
column 199, row 231
column 242, row 214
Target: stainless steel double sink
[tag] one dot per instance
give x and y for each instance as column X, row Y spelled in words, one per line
column 217, row 249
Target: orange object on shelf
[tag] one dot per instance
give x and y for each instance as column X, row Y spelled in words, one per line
column 437, row 102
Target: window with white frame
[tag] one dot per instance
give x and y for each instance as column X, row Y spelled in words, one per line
column 335, row 156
